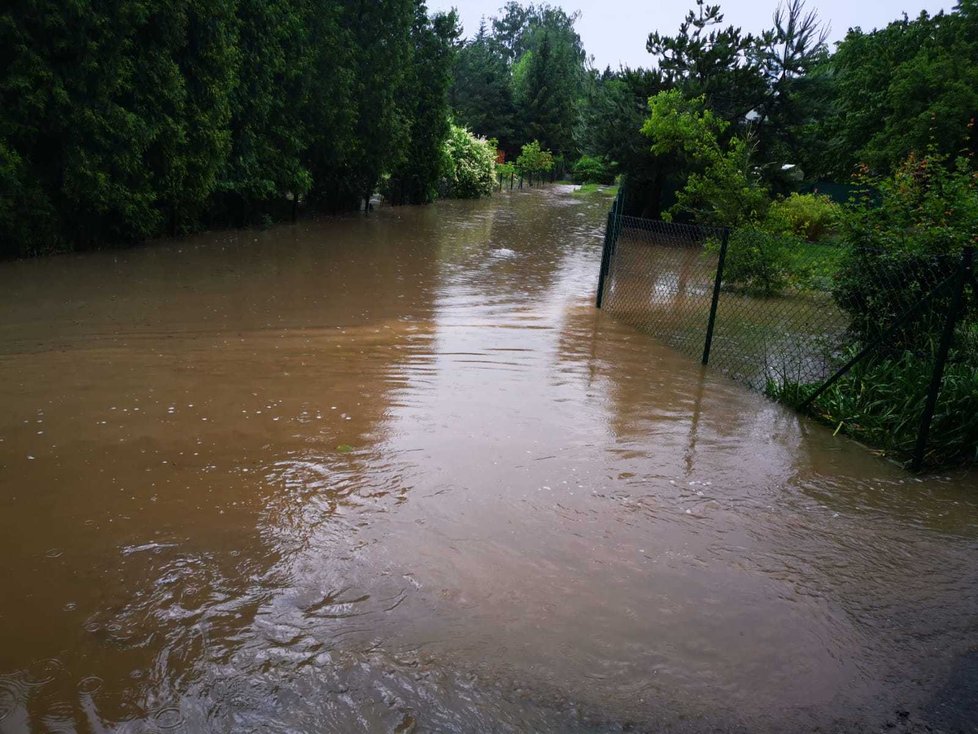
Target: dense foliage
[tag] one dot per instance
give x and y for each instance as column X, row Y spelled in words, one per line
column 900, row 252
column 118, row 122
column 880, row 402
column 722, row 187
column 805, row 114
column 756, row 88
column 522, row 79
column 121, row 121
column 898, row 90
column 469, row 164
column 903, row 241
column 534, row 160
column 737, row 125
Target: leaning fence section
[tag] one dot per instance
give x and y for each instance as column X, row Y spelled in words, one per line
column 869, row 340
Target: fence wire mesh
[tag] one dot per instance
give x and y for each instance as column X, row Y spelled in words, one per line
column 788, row 315
column 661, row 280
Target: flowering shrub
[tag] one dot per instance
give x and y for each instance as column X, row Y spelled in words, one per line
column 469, row 164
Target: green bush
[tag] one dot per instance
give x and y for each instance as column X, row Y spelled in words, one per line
column 534, row 160
column 589, row 169
column 809, row 216
column 469, row 163
column 758, row 262
column 904, row 243
column 505, row 170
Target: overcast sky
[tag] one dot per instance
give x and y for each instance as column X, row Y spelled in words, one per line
column 614, row 31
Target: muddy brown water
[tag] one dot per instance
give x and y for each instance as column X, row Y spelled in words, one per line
column 396, row 474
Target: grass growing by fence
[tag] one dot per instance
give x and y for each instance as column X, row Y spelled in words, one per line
column 596, row 190
column 880, row 403
column 791, row 312
column 763, row 263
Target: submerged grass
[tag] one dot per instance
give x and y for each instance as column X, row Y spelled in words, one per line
column 766, row 264
column 596, row 190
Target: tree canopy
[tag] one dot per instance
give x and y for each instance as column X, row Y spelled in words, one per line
column 124, row 121
column 522, row 78
column 121, row 121
column 900, row 89
column 802, row 112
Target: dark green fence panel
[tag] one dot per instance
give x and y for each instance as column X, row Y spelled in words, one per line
column 800, row 325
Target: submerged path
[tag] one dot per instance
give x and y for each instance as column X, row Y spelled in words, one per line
column 396, row 474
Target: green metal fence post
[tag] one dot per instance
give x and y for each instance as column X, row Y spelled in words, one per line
column 605, row 259
column 718, row 281
column 937, row 378
column 616, row 225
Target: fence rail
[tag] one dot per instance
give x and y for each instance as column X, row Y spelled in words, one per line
column 803, row 323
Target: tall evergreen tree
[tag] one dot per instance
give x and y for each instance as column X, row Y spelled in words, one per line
column 610, row 129
column 788, row 54
column 329, row 105
column 482, row 93
column 268, row 132
column 548, row 82
column 707, row 59
column 424, row 98
column 187, row 157
column 381, row 30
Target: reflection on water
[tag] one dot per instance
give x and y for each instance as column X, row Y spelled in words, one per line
column 396, row 474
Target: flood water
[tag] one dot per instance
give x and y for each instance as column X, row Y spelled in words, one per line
column 395, row 473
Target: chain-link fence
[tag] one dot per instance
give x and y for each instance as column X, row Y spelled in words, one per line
column 864, row 339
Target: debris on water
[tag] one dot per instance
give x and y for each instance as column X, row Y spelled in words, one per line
column 155, row 547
